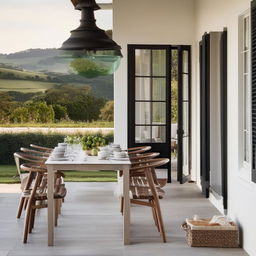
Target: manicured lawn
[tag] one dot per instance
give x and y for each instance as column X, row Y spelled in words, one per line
column 96, row 124
column 7, row 173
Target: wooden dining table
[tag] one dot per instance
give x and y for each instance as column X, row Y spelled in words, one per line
column 91, row 163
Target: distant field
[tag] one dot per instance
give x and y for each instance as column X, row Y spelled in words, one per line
column 24, row 86
column 23, row 74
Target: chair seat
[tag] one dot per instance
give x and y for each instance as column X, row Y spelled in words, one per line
column 60, row 192
column 144, row 192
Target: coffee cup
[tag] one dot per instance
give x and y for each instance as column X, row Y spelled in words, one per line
column 102, row 155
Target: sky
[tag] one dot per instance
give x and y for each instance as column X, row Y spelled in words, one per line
column 26, row 24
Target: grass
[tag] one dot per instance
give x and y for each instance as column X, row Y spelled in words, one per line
column 7, row 173
column 96, row 124
column 22, row 73
column 25, row 86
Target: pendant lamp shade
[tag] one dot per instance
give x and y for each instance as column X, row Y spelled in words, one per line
column 88, row 37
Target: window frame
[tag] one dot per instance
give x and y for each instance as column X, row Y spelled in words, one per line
column 244, row 109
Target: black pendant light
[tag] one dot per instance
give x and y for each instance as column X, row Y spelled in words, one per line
column 89, row 46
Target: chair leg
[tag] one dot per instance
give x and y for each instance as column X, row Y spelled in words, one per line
column 154, row 214
column 21, row 204
column 160, row 220
column 59, row 206
column 32, row 219
column 25, row 203
column 27, row 221
column 56, row 203
column 122, row 205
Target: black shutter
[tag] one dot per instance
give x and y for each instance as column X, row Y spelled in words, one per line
column 253, row 56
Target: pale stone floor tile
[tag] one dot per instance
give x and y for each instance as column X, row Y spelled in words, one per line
column 91, row 225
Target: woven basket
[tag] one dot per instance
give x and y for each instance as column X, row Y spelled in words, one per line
column 211, row 236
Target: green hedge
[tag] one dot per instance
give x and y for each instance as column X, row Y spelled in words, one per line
column 11, row 143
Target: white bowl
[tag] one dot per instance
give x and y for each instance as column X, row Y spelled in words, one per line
column 57, row 154
column 115, row 145
column 59, row 149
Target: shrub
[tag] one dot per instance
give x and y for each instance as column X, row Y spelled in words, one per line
column 60, row 112
column 11, row 143
column 107, row 112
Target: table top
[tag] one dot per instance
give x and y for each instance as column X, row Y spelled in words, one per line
column 89, row 160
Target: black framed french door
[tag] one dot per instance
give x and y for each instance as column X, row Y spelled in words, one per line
column 184, row 114
column 149, row 101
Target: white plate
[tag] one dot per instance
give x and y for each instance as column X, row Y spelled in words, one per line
column 120, row 159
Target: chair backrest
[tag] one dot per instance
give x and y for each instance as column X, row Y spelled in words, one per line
column 49, row 150
column 32, row 151
column 150, row 163
column 139, row 157
column 30, row 158
column 138, row 150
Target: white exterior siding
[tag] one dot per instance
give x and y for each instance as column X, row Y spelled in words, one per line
column 213, row 16
column 184, row 22
column 149, row 22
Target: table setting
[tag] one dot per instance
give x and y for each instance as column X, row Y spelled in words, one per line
column 71, row 152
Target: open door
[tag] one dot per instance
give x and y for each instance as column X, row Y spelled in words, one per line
column 184, row 114
column 149, row 79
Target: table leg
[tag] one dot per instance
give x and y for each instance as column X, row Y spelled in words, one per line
column 50, row 199
column 126, row 190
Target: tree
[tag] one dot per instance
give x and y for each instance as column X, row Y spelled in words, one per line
column 60, row 112
column 35, row 112
column 80, row 103
column 107, row 112
column 6, row 106
column 20, row 115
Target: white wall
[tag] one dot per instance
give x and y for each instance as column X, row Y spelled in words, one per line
column 213, row 16
column 184, row 22
column 148, row 22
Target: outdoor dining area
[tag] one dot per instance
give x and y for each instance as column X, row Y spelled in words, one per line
column 42, row 172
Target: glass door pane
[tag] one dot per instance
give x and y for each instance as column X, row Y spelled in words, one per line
column 184, row 114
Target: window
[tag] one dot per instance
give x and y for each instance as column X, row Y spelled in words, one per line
column 245, row 91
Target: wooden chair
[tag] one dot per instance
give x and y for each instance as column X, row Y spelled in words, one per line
column 38, row 193
column 149, row 194
column 26, row 178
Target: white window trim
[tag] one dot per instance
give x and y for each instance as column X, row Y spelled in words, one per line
column 245, row 167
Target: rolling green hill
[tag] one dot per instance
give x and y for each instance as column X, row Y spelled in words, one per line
column 25, row 86
column 36, row 70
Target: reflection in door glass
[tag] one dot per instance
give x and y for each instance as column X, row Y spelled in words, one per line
column 158, row 134
column 159, row 89
column 159, row 62
column 142, row 112
column 142, row 62
column 142, row 134
column 185, row 62
column 142, row 88
column 186, row 118
column 159, row 113
column 185, row 87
